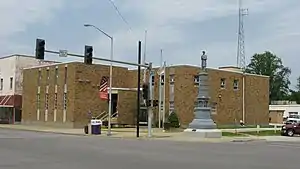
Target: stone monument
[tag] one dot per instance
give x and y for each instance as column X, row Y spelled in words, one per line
column 203, row 125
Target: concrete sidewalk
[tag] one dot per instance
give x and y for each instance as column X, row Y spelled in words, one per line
column 124, row 133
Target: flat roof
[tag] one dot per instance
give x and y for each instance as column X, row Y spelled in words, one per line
column 211, row 68
column 157, row 67
column 26, row 56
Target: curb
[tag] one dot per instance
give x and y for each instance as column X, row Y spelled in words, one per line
column 247, row 140
column 42, row 131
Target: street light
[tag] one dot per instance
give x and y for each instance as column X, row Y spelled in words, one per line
column 110, row 73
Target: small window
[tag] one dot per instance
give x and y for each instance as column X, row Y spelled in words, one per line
column 47, row 101
column 196, row 80
column 11, row 83
column 56, row 75
column 222, row 83
column 152, row 80
column 66, row 74
column 65, row 101
column 55, row 101
column 172, row 79
column 235, row 84
column 1, row 84
column 162, row 78
column 39, row 77
column 38, row 99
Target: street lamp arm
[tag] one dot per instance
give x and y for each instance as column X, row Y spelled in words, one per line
column 89, row 25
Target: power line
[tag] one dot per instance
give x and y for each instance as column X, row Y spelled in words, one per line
column 119, row 13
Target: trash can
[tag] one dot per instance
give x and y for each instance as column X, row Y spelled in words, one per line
column 96, row 127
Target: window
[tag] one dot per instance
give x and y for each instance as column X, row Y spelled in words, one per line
column 235, row 84
column 65, row 101
column 1, row 84
column 162, row 78
column 46, row 101
column 152, row 80
column 196, row 80
column 38, row 99
column 56, row 76
column 222, row 83
column 66, row 74
column 48, row 77
column 11, row 83
column 55, row 101
column 172, row 79
column 39, row 77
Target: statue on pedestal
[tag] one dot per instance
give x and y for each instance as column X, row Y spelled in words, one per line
column 202, row 121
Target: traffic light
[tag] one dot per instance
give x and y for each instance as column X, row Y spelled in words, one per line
column 146, row 91
column 88, row 54
column 155, row 103
column 40, row 49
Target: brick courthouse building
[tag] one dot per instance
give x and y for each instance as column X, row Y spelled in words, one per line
column 63, row 94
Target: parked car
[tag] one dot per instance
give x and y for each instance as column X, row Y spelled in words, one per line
column 290, row 129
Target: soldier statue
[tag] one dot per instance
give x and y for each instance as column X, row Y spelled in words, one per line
column 203, row 60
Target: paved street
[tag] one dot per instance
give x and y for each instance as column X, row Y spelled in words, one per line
column 31, row 150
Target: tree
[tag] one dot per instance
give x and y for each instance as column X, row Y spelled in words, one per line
column 270, row 65
column 295, row 94
column 174, row 120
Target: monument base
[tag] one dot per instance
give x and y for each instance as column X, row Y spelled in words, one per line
column 204, row 133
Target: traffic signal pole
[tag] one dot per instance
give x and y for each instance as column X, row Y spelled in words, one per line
column 139, row 91
column 101, row 59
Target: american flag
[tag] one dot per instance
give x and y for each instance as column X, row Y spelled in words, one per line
column 103, row 88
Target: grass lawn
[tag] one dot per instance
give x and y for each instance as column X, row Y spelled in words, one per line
column 232, row 134
column 263, row 133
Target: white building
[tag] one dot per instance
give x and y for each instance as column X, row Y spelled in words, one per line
column 290, row 109
column 11, row 85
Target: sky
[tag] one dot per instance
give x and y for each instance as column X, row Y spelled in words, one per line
column 181, row 28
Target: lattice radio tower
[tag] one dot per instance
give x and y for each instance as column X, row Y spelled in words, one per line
column 241, row 57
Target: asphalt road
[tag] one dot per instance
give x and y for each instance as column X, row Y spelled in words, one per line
column 30, row 150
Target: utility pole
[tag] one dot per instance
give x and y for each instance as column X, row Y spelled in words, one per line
column 161, row 85
column 164, row 97
column 150, row 108
column 241, row 56
column 138, row 91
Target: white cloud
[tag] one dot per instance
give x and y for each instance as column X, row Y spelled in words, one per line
column 163, row 20
column 16, row 15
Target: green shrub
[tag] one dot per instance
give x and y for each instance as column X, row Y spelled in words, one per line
column 173, row 120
